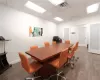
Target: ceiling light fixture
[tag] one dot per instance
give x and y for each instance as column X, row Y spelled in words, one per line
column 93, row 8
column 34, row 7
column 56, row 2
column 58, row 19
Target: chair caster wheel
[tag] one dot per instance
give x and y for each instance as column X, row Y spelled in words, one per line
column 72, row 66
column 77, row 57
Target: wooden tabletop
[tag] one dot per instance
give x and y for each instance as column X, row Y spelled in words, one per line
column 44, row 53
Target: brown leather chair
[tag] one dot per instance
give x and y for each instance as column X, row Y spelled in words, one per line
column 29, row 67
column 33, row 47
column 54, row 42
column 67, row 41
column 46, row 44
column 60, row 61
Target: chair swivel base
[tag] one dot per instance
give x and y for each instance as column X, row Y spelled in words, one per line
column 71, row 62
column 34, row 78
column 57, row 77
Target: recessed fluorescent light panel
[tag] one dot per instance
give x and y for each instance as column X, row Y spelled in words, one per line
column 93, row 8
column 34, row 7
column 56, row 2
column 58, row 19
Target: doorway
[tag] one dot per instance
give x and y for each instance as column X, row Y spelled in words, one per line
column 82, row 36
column 66, row 33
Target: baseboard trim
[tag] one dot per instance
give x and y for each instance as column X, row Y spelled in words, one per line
column 94, row 51
column 83, row 45
column 16, row 61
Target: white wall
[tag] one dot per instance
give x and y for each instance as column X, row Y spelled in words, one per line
column 60, row 29
column 85, row 22
column 72, row 28
column 14, row 25
column 77, row 23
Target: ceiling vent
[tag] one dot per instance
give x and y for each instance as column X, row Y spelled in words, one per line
column 64, row 4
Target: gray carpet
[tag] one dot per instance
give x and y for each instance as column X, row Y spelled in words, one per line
column 87, row 68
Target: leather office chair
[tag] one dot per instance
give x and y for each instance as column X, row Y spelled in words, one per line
column 33, row 47
column 46, row 44
column 71, row 55
column 60, row 62
column 54, row 42
column 77, row 44
column 29, row 67
column 67, row 41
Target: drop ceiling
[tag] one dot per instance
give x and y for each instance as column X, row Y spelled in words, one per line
column 75, row 10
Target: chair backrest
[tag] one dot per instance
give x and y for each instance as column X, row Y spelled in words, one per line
column 67, row 41
column 33, row 47
column 54, row 42
column 63, row 57
column 76, row 45
column 24, row 62
column 72, row 51
column 73, row 47
column 46, row 44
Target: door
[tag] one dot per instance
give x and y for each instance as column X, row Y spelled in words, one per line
column 82, row 36
column 94, row 38
column 66, row 33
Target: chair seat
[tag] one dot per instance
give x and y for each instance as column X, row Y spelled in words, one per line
column 61, row 60
column 70, row 55
column 34, row 66
column 55, row 63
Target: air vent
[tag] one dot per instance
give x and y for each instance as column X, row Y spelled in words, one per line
column 64, row 4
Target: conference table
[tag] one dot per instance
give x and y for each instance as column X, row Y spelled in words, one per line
column 45, row 54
